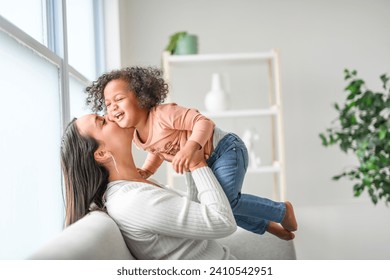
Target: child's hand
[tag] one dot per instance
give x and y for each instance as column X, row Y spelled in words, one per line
column 144, row 173
column 198, row 160
column 182, row 160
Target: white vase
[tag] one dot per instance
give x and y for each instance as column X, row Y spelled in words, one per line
column 216, row 99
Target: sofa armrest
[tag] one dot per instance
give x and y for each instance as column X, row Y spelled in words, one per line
column 95, row 236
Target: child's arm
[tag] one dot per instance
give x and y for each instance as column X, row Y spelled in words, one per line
column 198, row 128
column 151, row 164
column 202, row 129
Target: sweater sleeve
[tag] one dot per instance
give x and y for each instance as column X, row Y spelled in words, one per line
column 161, row 211
column 192, row 191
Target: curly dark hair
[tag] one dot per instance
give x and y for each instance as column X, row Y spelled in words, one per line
column 147, row 84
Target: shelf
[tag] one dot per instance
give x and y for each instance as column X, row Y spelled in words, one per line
column 220, row 57
column 242, row 113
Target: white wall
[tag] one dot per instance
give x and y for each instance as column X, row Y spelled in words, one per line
column 317, row 40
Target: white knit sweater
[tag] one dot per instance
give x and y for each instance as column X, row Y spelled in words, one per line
column 161, row 223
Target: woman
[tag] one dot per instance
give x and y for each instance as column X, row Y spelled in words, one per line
column 156, row 222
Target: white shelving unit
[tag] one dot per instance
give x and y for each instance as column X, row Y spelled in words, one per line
column 274, row 110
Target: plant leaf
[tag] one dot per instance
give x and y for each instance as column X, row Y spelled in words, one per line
column 173, row 39
column 384, row 79
column 323, row 138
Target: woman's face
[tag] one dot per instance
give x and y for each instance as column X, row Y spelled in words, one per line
column 108, row 133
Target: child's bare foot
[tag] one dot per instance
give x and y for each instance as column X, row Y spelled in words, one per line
column 279, row 231
column 289, row 222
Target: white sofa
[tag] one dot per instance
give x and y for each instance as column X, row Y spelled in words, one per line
column 97, row 237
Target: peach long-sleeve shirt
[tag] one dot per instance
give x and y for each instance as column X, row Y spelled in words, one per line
column 170, row 127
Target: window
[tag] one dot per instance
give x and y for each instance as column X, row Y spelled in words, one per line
column 28, row 15
column 40, row 91
column 81, row 36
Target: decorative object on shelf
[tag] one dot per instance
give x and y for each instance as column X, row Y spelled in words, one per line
column 182, row 43
column 216, row 99
column 363, row 128
column 188, row 44
column 249, row 137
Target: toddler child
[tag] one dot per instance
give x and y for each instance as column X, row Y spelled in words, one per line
column 133, row 97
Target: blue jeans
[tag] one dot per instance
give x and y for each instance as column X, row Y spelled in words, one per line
column 229, row 162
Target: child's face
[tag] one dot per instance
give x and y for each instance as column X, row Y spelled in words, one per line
column 122, row 105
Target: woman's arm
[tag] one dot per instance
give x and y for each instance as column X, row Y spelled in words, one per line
column 210, row 218
column 192, row 191
column 161, row 211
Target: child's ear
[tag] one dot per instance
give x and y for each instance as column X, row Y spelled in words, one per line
column 101, row 155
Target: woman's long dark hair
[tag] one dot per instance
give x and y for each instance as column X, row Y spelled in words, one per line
column 85, row 179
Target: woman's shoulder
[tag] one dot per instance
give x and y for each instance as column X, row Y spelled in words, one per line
column 136, row 197
column 128, row 186
column 135, row 189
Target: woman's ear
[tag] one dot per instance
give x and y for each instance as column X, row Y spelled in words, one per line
column 101, row 155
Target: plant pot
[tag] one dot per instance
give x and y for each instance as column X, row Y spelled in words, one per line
column 187, row 44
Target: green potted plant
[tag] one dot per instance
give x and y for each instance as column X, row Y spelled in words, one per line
column 363, row 128
column 182, row 43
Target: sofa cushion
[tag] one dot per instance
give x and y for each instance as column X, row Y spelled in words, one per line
column 245, row 245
